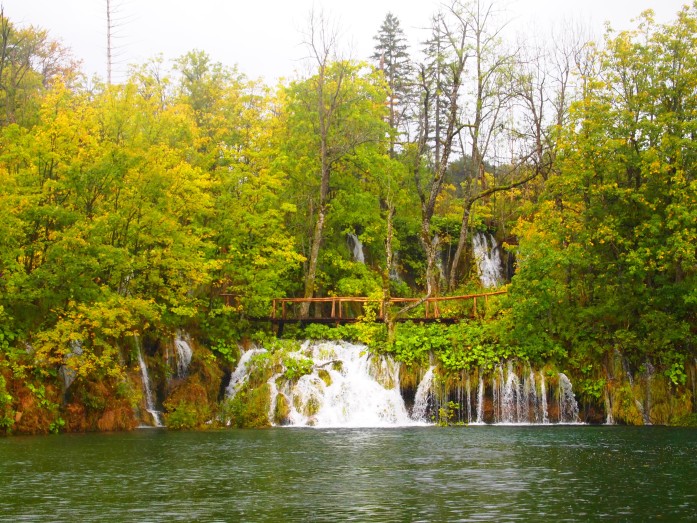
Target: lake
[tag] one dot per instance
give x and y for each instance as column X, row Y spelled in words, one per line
column 475, row 473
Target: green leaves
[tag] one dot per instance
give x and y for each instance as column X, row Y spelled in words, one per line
column 602, row 262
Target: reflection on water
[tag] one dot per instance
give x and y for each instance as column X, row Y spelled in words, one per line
column 407, row 474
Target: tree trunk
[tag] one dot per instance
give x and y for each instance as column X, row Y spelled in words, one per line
column 464, row 229
column 312, row 262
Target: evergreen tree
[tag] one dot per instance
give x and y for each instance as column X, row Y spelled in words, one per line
column 393, row 59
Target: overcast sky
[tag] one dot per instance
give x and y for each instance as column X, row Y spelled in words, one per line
column 263, row 37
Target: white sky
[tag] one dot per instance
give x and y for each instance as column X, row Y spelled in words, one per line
column 263, row 37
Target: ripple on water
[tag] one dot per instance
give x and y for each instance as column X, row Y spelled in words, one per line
column 410, row 474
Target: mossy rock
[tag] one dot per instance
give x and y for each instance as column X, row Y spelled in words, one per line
column 187, row 406
column 325, row 376
column 282, row 411
column 250, row 407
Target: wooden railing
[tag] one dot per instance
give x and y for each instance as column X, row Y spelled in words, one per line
column 347, row 309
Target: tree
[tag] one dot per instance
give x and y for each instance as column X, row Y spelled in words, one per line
column 390, row 53
column 29, row 61
column 608, row 261
column 332, row 115
column 429, row 166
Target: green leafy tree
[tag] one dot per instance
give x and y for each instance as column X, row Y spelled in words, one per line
column 608, row 262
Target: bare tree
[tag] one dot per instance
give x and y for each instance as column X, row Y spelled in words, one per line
column 429, row 166
column 332, row 98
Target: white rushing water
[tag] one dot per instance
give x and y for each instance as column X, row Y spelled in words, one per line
column 184, row 354
column 568, row 408
column 480, row 401
column 423, row 396
column 353, row 389
column 522, row 398
column 488, row 255
column 356, row 246
column 240, row 375
column 347, row 386
column 149, row 399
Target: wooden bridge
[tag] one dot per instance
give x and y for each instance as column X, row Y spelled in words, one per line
column 340, row 310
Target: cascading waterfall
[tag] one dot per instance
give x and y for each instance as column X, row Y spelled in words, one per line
column 568, row 408
column 516, row 400
column 531, row 392
column 423, row 396
column 184, row 354
column 469, row 399
column 149, row 399
column 347, row 386
column 355, row 389
column 609, row 418
column 480, row 400
column 356, row 246
column 544, row 413
column 241, row 374
column 488, row 255
column 511, row 397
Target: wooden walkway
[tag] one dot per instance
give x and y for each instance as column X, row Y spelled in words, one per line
column 341, row 310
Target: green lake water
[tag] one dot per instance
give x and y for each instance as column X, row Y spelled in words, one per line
column 482, row 473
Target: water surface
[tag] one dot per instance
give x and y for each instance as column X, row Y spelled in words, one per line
column 483, row 473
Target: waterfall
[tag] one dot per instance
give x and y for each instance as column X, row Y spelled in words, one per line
column 423, row 395
column 488, row 256
column 531, row 394
column 354, row 390
column 568, row 408
column 394, row 271
column 609, row 419
column 184, row 354
column 348, row 386
column 469, row 399
column 149, row 399
column 516, row 399
column 510, row 397
column 544, row 413
column 241, row 374
column 480, row 399
column 356, row 247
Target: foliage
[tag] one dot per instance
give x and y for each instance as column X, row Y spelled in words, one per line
column 607, row 261
column 188, row 407
column 296, row 367
column 249, row 408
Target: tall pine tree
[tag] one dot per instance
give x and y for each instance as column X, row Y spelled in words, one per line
column 393, row 59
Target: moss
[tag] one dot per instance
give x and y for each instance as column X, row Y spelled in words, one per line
column 250, row 407
column 410, row 377
column 282, row 410
column 188, row 406
column 312, row 407
column 106, row 405
column 37, row 407
column 688, row 420
column 207, row 368
column 325, row 376
column 7, row 413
